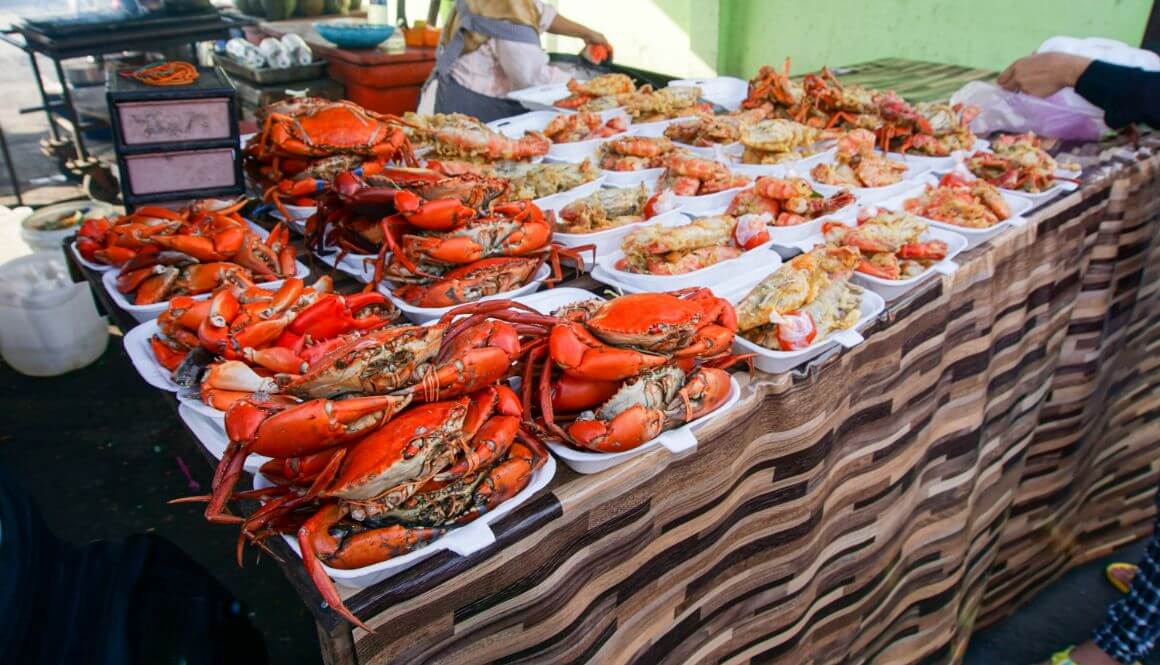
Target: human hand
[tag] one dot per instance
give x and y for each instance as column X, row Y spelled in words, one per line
column 1043, row 74
column 594, row 38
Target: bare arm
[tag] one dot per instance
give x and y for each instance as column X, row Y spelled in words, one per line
column 569, row 28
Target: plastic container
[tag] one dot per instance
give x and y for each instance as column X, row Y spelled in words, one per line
column 48, row 324
column 649, row 177
column 776, row 362
column 725, row 91
column 890, row 289
column 974, row 237
column 561, row 199
column 98, row 267
column 573, row 152
column 915, row 169
column 211, row 434
column 44, row 230
column 608, row 240
column 144, row 313
column 140, row 352
column 425, row 314
column 703, row 203
column 751, row 260
column 464, row 540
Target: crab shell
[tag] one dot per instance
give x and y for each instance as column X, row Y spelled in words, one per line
column 659, row 322
column 381, row 361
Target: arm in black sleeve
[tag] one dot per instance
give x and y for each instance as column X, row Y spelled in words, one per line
column 1126, row 94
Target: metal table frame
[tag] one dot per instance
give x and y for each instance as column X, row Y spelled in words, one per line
column 112, row 41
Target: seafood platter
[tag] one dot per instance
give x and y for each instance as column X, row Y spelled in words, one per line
column 428, row 377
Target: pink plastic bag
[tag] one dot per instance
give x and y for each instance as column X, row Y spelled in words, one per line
column 1059, row 115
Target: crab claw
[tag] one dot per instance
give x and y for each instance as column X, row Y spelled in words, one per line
column 278, row 430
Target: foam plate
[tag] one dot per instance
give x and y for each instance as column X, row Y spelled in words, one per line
column 561, row 199
column 465, row 540
column 424, row 314
column 574, row 152
column 725, row 91
column 99, row 267
column 679, row 440
column 893, row 288
column 800, row 167
column 212, row 435
column 608, row 240
column 144, row 313
column 751, row 260
column 136, row 343
column 974, row 237
column 776, row 362
column 914, row 171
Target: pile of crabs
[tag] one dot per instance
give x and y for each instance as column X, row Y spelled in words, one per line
column 382, row 437
column 821, row 100
column 164, row 253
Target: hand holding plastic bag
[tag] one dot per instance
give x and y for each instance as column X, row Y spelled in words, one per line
column 1065, row 114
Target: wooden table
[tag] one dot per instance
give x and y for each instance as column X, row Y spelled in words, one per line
column 997, row 427
column 378, row 80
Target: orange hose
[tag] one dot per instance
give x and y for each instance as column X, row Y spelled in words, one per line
column 164, row 74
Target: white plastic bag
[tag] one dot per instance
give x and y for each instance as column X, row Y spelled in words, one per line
column 1065, row 114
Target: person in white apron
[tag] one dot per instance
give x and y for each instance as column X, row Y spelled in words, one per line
column 491, row 47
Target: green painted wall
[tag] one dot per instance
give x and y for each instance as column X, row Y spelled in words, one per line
column 977, row 33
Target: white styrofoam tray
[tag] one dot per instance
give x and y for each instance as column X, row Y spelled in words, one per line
column 776, row 362
column 796, row 167
column 425, row 314
column 725, row 91
column 608, row 240
column 561, row 199
column 632, row 178
column 656, row 128
column 544, row 97
column 679, row 440
column 354, row 265
column 298, row 215
column 140, row 352
column 464, row 540
column 893, row 288
column 974, row 237
column 914, row 171
column 144, row 313
column 99, row 267
column 516, row 126
column 703, row 203
column 729, row 288
column 707, row 276
column 211, row 434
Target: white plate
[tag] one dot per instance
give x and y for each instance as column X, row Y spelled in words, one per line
column 98, row 267
column 608, row 240
column 679, row 441
column 704, row 203
column 543, row 98
column 351, row 264
column 632, row 178
column 893, row 288
column 464, row 540
column 1055, row 190
column 561, row 199
column 974, row 237
column 140, row 352
column 776, row 362
column 750, row 260
column 298, row 215
column 729, row 288
column 725, row 91
column 574, row 152
column 212, row 435
column 799, row 167
column 144, row 313
column 732, row 151
column 914, row 171
column 425, row 314
column 656, row 128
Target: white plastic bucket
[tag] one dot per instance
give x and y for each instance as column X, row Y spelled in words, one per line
column 48, row 324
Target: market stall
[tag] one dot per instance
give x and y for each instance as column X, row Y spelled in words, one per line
column 995, row 427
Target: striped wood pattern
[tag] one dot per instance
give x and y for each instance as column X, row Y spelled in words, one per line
column 996, row 427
